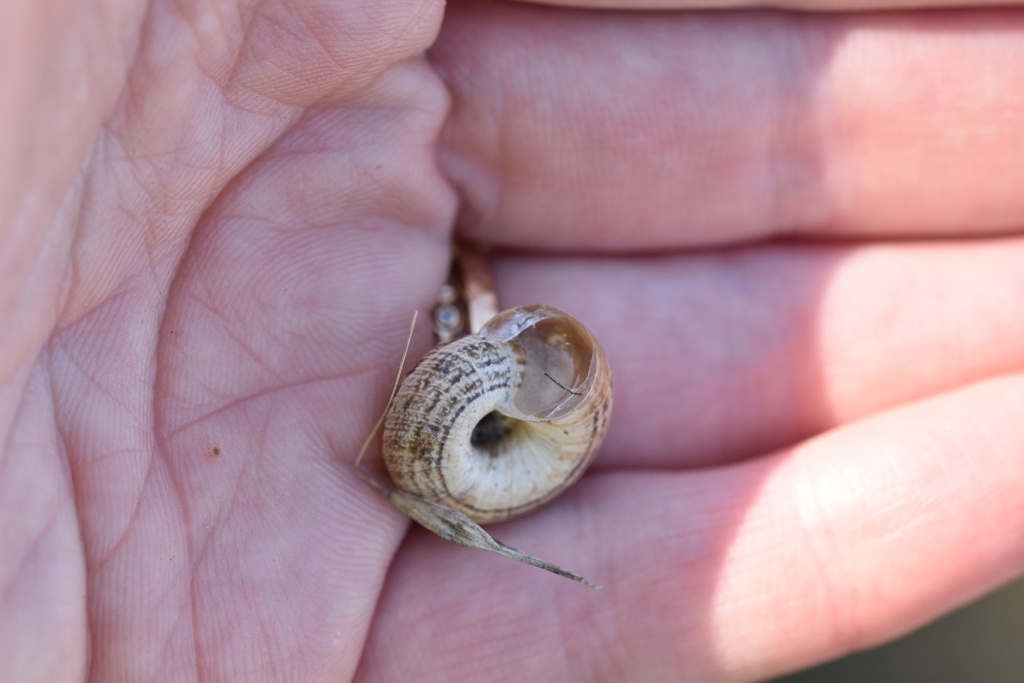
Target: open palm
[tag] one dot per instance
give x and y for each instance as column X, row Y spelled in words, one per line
column 220, row 216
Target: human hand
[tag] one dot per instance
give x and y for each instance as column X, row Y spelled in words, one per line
column 815, row 445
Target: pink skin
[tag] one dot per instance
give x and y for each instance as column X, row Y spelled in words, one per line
column 217, row 219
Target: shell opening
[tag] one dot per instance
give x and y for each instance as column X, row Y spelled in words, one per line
column 558, row 359
column 491, row 430
column 555, row 377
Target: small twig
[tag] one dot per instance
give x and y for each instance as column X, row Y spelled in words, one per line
column 574, row 393
column 477, row 286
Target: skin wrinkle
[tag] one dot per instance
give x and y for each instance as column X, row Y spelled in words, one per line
column 231, row 85
column 74, row 485
column 99, row 560
column 245, row 477
column 816, row 554
column 226, row 328
column 66, row 354
column 445, row 152
column 229, row 512
column 232, row 88
column 417, row 18
column 310, row 25
column 28, row 554
column 610, row 644
column 167, row 596
column 197, row 421
column 66, row 318
column 850, row 615
column 211, row 195
column 499, row 163
column 73, row 205
column 160, row 439
column 199, row 652
column 85, row 59
column 102, row 560
column 795, row 165
column 199, row 548
column 145, row 217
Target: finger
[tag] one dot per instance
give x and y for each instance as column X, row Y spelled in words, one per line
column 720, row 356
column 811, row 5
column 733, row 574
column 644, row 131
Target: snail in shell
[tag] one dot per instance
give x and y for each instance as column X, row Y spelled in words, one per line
column 497, row 423
column 489, row 426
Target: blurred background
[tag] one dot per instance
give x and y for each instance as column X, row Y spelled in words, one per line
column 980, row 643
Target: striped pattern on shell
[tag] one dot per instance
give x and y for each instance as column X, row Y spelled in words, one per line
column 495, row 424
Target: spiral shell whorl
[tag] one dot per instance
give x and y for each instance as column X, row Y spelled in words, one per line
column 536, row 366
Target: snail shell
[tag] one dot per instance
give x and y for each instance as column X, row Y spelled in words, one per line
column 494, row 424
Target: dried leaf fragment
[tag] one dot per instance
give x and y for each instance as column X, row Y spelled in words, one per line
column 454, row 526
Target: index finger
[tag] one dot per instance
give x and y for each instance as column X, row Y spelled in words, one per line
column 810, row 5
column 652, row 131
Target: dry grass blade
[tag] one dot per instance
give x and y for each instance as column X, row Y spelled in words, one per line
column 398, row 380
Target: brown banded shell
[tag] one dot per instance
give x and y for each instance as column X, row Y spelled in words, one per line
column 495, row 424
